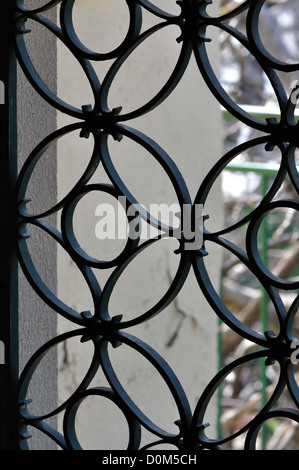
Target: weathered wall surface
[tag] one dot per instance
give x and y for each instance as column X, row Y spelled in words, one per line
column 38, row 323
column 187, row 126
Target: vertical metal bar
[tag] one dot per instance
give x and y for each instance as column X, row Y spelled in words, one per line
column 220, row 364
column 8, row 262
column 264, row 235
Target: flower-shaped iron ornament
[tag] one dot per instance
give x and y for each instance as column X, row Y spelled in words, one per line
column 98, row 122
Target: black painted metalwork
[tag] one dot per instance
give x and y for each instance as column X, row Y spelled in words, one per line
column 100, row 122
column 9, row 265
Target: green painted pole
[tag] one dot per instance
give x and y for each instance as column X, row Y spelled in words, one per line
column 264, row 234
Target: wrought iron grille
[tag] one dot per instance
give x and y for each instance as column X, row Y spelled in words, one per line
column 99, row 121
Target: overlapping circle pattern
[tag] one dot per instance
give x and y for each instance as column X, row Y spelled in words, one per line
column 101, row 122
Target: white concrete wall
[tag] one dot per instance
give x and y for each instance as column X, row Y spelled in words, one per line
column 187, row 126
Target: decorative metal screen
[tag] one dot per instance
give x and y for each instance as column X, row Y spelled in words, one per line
column 194, row 20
